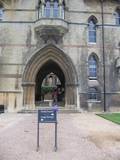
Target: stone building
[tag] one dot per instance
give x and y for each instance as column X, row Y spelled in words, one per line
column 78, row 41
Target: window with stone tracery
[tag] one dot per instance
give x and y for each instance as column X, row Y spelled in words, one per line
column 1, row 12
column 117, row 16
column 92, row 29
column 93, row 94
column 51, row 9
column 92, row 66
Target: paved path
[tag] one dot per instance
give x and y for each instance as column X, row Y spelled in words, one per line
column 80, row 137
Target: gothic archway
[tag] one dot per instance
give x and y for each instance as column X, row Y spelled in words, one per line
column 35, row 63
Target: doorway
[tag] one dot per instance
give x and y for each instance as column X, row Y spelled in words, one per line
column 49, row 60
column 50, row 84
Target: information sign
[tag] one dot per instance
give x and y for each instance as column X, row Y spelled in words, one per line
column 47, row 116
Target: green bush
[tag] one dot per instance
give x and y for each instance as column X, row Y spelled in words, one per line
column 46, row 89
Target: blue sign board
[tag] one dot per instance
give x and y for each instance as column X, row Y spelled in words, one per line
column 47, row 116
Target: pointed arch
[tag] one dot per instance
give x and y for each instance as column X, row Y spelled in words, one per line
column 95, row 56
column 1, row 11
column 117, row 15
column 50, row 52
column 92, row 29
column 35, row 63
column 93, row 66
column 92, row 18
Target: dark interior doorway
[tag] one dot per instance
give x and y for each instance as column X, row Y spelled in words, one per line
column 50, row 79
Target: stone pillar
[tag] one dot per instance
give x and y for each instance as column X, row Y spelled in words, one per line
column 70, row 96
column 61, row 9
column 42, row 8
column 51, row 8
column 29, row 95
column 78, row 99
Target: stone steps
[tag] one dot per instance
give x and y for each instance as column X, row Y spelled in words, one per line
column 60, row 110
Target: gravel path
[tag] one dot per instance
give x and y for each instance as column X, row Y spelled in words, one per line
column 80, row 137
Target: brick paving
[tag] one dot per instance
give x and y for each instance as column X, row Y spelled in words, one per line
column 80, row 137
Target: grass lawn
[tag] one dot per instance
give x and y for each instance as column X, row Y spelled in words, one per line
column 114, row 117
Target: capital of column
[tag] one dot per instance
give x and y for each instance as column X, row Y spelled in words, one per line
column 24, row 84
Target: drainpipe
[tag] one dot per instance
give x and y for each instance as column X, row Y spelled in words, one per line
column 38, row 8
column 103, row 49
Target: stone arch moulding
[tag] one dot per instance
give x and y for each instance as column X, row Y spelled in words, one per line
column 35, row 63
column 92, row 17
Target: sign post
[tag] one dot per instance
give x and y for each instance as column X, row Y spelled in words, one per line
column 47, row 116
column 55, row 148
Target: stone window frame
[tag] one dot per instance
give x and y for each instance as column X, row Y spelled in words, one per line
column 117, row 16
column 97, row 66
column 94, row 94
column 52, row 11
column 1, row 11
column 92, row 30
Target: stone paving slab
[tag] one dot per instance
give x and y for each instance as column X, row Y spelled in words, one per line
column 80, row 137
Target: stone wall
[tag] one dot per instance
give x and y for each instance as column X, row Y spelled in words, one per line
column 18, row 41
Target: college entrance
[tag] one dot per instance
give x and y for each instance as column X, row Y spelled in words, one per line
column 50, row 72
column 50, row 85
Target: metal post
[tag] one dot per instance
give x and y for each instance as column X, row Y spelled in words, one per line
column 38, row 9
column 38, row 134
column 103, row 48
column 38, row 12
column 55, row 137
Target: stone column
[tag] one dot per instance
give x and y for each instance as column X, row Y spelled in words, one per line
column 78, row 98
column 42, row 8
column 61, row 9
column 51, row 8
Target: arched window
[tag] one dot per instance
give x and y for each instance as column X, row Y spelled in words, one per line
column 92, row 29
column 117, row 16
column 119, row 45
column 1, row 11
column 93, row 94
column 47, row 8
column 51, row 8
column 92, row 67
column 55, row 9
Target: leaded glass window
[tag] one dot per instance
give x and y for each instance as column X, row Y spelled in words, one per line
column 117, row 17
column 93, row 93
column 55, row 9
column 92, row 31
column 92, row 67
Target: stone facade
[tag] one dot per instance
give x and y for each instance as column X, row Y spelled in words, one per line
column 29, row 40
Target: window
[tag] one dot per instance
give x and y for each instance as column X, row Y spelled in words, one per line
column 55, row 9
column 119, row 45
column 92, row 29
column 92, row 32
column 1, row 12
column 47, row 9
column 93, row 94
column 117, row 14
column 51, row 9
column 92, row 67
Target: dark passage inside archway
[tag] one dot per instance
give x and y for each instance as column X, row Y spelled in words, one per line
column 50, row 84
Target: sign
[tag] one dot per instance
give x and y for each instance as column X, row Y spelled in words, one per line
column 47, row 116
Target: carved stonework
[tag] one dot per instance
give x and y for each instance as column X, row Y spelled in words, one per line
column 50, row 52
column 50, row 34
